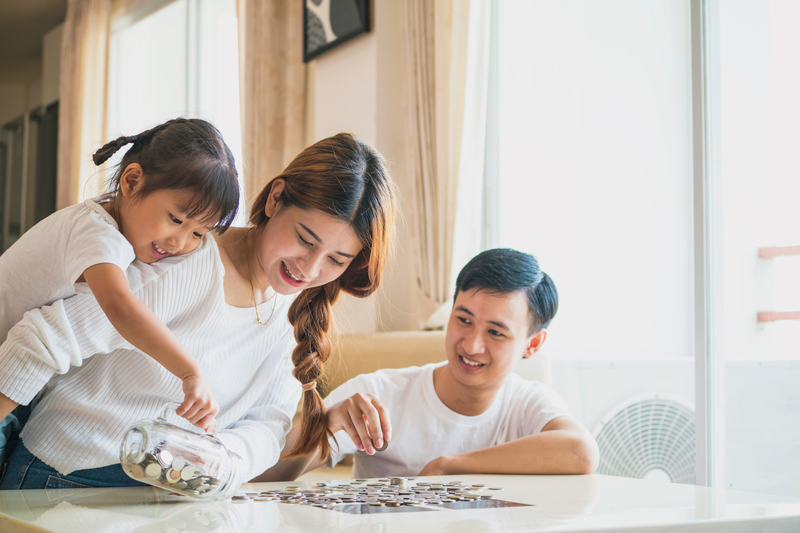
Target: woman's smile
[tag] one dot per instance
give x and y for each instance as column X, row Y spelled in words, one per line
column 290, row 278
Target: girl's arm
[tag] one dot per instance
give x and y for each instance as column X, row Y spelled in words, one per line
column 6, row 406
column 142, row 328
column 362, row 416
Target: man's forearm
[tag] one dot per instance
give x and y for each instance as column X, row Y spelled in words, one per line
column 549, row 452
column 290, row 469
column 6, row 406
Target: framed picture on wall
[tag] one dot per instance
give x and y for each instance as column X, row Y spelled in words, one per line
column 329, row 23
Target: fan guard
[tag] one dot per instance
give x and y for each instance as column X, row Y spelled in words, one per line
column 650, row 436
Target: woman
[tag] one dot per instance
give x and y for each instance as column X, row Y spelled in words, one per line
column 323, row 226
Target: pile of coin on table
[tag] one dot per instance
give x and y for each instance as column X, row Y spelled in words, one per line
column 174, row 473
column 389, row 492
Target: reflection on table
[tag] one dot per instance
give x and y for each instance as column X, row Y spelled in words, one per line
column 563, row 503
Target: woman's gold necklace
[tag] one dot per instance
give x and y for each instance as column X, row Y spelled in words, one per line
column 253, row 290
column 255, row 306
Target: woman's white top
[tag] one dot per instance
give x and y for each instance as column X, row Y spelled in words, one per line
column 79, row 420
column 424, row 428
column 44, row 264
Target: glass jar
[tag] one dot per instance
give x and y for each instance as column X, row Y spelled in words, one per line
column 164, row 455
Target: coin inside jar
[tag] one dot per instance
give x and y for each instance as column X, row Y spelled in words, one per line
column 178, row 463
column 187, row 473
column 173, row 476
column 153, row 471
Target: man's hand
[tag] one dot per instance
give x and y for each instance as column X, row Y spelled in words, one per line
column 364, row 418
column 437, row 467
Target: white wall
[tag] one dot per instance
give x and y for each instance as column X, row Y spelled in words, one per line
column 16, row 99
column 13, row 101
column 51, row 64
column 358, row 87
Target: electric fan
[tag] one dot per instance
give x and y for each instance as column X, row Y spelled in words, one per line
column 650, row 436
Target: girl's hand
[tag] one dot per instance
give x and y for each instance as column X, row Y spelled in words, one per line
column 199, row 406
column 364, row 418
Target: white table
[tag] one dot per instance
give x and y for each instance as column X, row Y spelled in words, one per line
column 558, row 503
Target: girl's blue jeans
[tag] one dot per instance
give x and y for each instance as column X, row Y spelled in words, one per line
column 25, row 471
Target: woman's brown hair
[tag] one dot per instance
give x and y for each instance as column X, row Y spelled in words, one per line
column 345, row 177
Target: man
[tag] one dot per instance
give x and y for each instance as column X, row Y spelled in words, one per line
column 471, row 414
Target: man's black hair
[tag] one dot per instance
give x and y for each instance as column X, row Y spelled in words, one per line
column 506, row 271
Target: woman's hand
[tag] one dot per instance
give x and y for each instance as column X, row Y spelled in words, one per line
column 199, row 406
column 364, row 418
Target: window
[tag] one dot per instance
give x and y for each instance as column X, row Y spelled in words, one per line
column 756, row 70
column 172, row 59
column 598, row 174
column 594, row 177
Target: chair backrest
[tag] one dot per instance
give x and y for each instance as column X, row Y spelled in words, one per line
column 363, row 353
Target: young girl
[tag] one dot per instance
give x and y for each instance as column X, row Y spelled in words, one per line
column 252, row 305
column 177, row 182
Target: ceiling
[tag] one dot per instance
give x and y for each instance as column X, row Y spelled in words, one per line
column 23, row 23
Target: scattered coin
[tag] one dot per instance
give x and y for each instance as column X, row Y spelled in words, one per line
column 391, row 493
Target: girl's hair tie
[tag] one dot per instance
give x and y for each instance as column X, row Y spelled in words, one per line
column 311, row 385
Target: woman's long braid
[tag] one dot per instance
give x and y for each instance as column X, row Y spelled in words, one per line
column 310, row 315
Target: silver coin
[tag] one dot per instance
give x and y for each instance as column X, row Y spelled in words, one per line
column 187, row 473
column 165, row 458
column 152, row 471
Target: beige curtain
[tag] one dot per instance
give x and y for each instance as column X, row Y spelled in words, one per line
column 436, row 39
column 273, row 81
column 83, row 98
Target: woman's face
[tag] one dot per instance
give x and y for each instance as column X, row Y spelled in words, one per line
column 300, row 249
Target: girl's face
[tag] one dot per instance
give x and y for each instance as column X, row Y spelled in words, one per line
column 156, row 225
column 300, row 249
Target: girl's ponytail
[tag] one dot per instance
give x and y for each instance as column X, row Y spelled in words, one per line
column 310, row 315
column 103, row 154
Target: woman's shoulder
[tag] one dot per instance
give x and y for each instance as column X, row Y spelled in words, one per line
column 200, row 266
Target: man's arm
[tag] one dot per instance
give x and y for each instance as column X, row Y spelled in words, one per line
column 362, row 416
column 564, row 446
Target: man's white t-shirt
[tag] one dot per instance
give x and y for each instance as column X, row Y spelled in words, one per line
column 44, row 264
column 423, row 428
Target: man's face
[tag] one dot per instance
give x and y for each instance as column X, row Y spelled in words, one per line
column 487, row 336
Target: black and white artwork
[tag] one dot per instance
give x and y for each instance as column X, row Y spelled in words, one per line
column 329, row 23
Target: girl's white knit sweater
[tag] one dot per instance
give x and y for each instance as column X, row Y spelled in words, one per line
column 94, row 385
